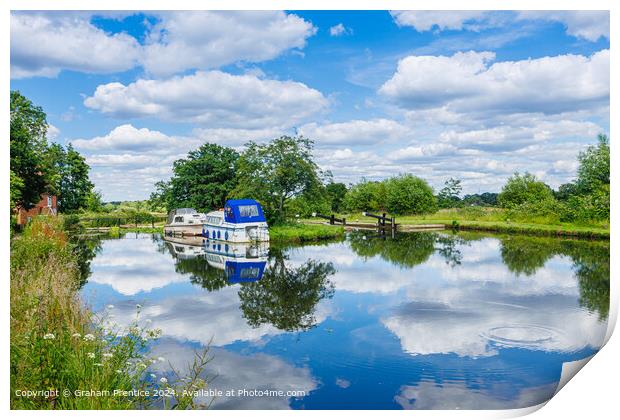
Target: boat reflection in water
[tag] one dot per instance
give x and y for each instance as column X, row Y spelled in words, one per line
column 240, row 262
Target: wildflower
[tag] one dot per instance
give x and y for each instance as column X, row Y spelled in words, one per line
column 98, row 364
column 110, row 306
column 128, row 363
column 76, row 335
column 161, row 359
column 89, row 337
column 163, row 380
column 90, row 355
column 119, row 371
column 49, row 336
column 107, row 355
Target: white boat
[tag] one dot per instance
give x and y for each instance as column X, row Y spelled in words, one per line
column 239, row 221
column 184, row 221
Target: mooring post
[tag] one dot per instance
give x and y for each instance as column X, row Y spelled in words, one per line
column 331, row 219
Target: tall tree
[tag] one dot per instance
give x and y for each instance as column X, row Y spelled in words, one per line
column 593, row 173
column 274, row 173
column 202, row 181
column 28, row 144
column 449, row 195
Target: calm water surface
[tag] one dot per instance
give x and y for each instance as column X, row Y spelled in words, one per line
column 422, row 321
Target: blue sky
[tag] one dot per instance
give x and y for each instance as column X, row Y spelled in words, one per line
column 474, row 95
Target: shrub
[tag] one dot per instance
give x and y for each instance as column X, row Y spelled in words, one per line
column 407, row 194
column 522, row 189
column 367, row 195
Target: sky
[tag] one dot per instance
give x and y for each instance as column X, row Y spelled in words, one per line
column 472, row 95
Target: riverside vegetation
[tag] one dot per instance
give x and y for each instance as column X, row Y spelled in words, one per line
column 57, row 344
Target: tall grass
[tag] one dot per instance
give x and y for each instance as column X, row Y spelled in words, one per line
column 59, row 348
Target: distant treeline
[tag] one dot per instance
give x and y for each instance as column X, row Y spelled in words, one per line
column 284, row 177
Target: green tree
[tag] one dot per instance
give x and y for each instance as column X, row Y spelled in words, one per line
column 521, row 189
column 28, row 144
column 366, row 196
column 407, row 194
column 202, row 181
column 449, row 195
column 16, row 188
column 593, row 173
column 75, row 187
column 336, row 192
column 276, row 172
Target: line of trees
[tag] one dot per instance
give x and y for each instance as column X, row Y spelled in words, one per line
column 284, row 177
column 37, row 166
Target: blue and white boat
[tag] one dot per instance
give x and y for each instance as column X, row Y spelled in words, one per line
column 241, row 262
column 239, row 221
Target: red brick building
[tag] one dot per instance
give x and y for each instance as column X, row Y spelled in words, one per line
column 47, row 206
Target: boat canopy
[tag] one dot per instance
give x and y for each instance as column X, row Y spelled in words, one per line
column 243, row 211
column 242, row 272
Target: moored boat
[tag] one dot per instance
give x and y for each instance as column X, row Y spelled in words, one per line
column 186, row 221
column 239, row 221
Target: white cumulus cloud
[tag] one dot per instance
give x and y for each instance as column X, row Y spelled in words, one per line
column 215, row 98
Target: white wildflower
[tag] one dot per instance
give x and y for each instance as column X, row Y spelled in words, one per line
column 119, row 371
column 49, row 336
column 107, row 355
column 76, row 335
column 163, row 380
column 90, row 355
column 98, row 364
column 89, row 337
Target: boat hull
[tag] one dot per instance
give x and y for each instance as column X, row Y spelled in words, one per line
column 183, row 230
column 236, row 233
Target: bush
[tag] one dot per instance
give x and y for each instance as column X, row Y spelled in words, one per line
column 407, row 194
column 522, row 189
column 367, row 195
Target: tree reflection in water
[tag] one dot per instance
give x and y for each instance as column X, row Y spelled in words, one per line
column 525, row 255
column 287, row 297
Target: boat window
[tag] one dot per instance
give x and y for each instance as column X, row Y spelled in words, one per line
column 214, row 220
column 178, row 219
column 250, row 272
column 248, row 211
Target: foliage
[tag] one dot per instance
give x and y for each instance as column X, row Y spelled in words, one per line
column 56, row 344
column 593, row 173
column 449, row 195
column 524, row 188
column 201, row 181
column 16, row 188
column 366, row 196
column 37, row 167
column 276, row 172
column 486, row 199
column 336, row 192
column 68, row 177
column 407, row 194
column 28, row 146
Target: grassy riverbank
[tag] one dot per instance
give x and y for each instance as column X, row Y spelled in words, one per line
column 495, row 220
column 299, row 232
column 57, row 345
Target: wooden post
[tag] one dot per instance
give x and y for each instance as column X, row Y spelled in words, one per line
column 344, row 221
column 331, row 219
